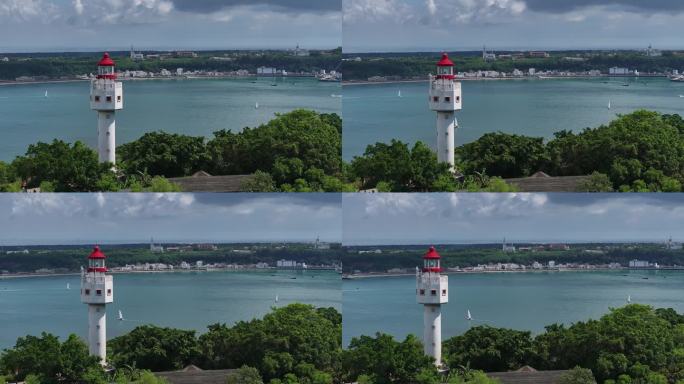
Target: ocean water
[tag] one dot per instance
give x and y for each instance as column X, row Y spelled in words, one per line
column 194, row 106
column 375, row 113
column 522, row 301
column 187, row 300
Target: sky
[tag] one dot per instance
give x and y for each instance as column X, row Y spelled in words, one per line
column 101, row 218
column 96, row 25
column 457, row 25
column 471, row 218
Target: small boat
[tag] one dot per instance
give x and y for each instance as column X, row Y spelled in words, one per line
column 256, row 106
column 68, row 286
column 682, row 96
column 120, row 318
column 276, row 299
column 625, row 85
column 336, row 96
column 629, row 299
column 608, row 104
column 46, row 93
column 399, row 94
column 469, row 317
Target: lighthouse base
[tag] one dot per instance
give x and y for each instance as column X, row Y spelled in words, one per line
column 446, row 128
column 106, row 136
column 97, row 331
column 432, row 332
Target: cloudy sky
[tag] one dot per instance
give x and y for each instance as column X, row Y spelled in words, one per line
column 134, row 218
column 432, row 25
column 485, row 218
column 84, row 25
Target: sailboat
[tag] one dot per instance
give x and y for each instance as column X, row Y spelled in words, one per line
column 276, row 299
column 68, row 286
column 256, row 106
column 469, row 317
column 399, row 94
column 608, row 104
column 629, row 299
column 120, row 318
column 46, row 93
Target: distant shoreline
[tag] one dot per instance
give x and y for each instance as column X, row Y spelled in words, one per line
column 544, row 77
column 9, row 276
column 124, row 79
column 384, row 274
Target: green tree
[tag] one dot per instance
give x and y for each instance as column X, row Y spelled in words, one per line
column 155, row 348
column 577, row 375
column 245, row 375
column 490, row 349
column 504, row 155
column 598, row 182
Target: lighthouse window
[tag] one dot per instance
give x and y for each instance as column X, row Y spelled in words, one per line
column 447, row 99
column 118, row 98
column 433, row 292
column 109, row 99
column 458, row 98
column 109, row 292
column 422, row 292
column 98, row 292
column 97, row 98
column 87, row 291
column 435, row 99
column 443, row 292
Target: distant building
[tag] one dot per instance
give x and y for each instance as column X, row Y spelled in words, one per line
column 136, row 56
column 5, row 59
column 301, row 52
column 507, row 248
column 267, row 71
column 155, row 248
column 552, row 264
column 618, row 71
column 185, row 54
column 487, row 56
column 290, row 264
column 651, row 52
column 532, row 71
column 541, row 54
column 642, row 264
column 517, row 72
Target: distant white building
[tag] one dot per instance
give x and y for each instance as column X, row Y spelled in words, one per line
column 136, row 56
column 301, row 52
column 487, row 56
column 507, row 248
column 552, row 264
column 268, row 71
column 618, row 71
column 155, row 248
column 651, row 52
column 642, row 264
column 517, row 72
column 532, row 71
column 5, row 59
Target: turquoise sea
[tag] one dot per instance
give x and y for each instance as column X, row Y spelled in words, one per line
column 187, row 300
column 522, row 301
column 192, row 106
column 375, row 113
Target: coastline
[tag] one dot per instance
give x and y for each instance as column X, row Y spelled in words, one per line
column 372, row 275
column 544, row 77
column 124, row 79
column 9, row 276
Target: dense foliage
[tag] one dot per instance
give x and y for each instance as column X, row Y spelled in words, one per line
column 633, row 344
column 293, row 344
column 297, row 151
column 642, row 151
column 398, row 168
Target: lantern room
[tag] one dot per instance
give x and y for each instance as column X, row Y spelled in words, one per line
column 445, row 68
column 431, row 261
column 96, row 261
column 105, row 68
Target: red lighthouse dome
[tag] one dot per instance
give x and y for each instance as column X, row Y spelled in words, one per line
column 105, row 68
column 96, row 261
column 445, row 67
column 431, row 261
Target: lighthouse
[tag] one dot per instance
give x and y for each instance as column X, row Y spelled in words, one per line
column 445, row 99
column 97, row 290
column 432, row 290
column 106, row 97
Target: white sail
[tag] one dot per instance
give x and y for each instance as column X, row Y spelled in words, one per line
column 276, row 299
column 468, row 315
column 46, row 93
column 120, row 315
column 256, row 106
column 608, row 104
column 68, row 286
column 629, row 299
column 399, row 94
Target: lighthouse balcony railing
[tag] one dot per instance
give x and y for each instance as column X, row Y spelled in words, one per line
column 432, row 279
column 95, row 279
column 105, row 86
column 444, row 86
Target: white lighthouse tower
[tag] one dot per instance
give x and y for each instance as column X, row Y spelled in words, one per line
column 106, row 96
column 445, row 99
column 432, row 290
column 97, row 290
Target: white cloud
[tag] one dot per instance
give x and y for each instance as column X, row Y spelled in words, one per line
column 24, row 10
column 78, row 7
column 375, row 10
